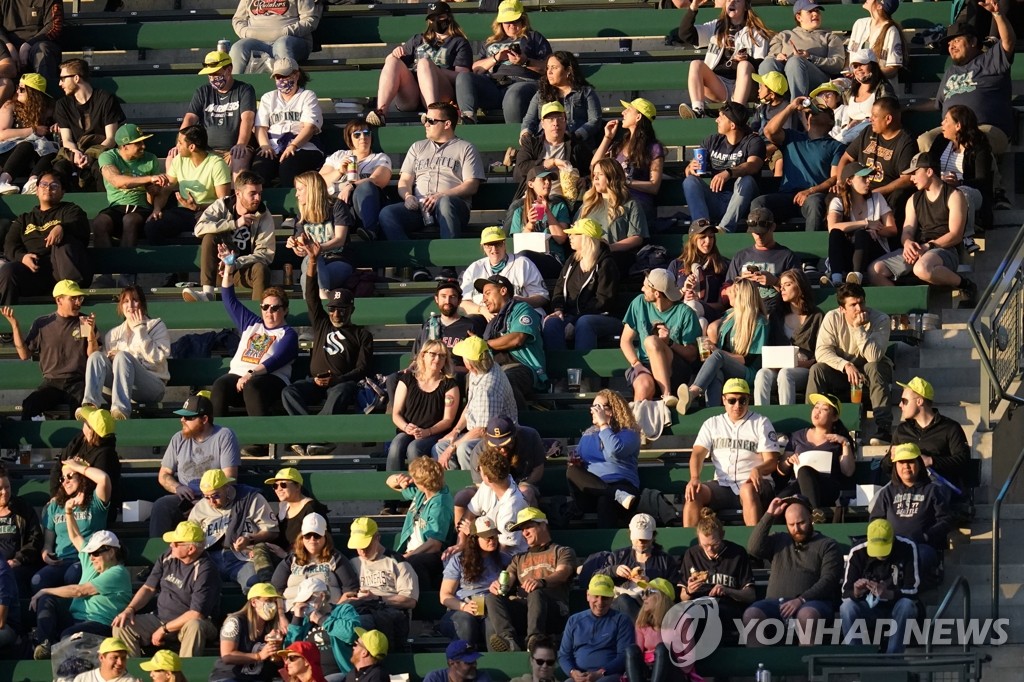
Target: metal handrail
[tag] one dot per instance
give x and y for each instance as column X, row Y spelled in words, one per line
column 960, row 583
column 997, row 507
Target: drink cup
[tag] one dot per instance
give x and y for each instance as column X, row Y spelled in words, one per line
column 480, row 601
column 700, row 155
column 856, row 393
column 703, row 347
column 537, row 212
column 574, row 376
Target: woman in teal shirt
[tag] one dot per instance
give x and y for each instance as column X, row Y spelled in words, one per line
column 89, row 489
column 733, row 345
column 429, row 521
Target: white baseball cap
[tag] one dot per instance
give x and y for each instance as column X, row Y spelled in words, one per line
column 484, row 527
column 309, row 587
column 101, row 538
column 314, row 523
column 641, row 527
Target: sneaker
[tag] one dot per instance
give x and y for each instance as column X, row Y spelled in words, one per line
column 1001, row 202
column 365, row 234
column 377, row 118
column 881, row 438
column 42, row 651
column 446, row 274
column 194, row 295
column 421, row 275
column 6, row 338
column 501, row 644
column 298, row 449
column 79, row 415
column 8, row 188
column 256, row 451
column 825, row 280
column 30, row 186
column 118, row 415
column 683, row 393
column 854, row 278
column 971, row 246
column 670, row 401
column 686, row 111
column 625, row 499
column 968, row 293
column 320, row 449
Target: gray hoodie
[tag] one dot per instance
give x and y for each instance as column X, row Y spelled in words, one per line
column 268, row 20
column 826, row 49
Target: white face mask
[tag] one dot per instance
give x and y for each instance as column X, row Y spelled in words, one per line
column 266, row 609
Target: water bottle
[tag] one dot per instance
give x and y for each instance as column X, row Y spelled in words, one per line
column 763, row 674
column 428, row 216
column 434, row 327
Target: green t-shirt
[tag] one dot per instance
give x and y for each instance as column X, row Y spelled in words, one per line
column 200, row 181
column 114, row 591
column 523, row 318
column 90, row 519
column 136, row 196
column 683, row 324
column 725, row 342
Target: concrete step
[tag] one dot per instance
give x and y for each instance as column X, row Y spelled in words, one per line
column 949, row 337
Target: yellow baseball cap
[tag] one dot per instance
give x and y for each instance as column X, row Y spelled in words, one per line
column 601, row 586
column 644, row 106
column 214, row 479
column 736, row 386
column 67, row 287
column 263, row 590
column 663, row 586
column 287, row 474
column 34, row 81
column 164, row 660
column 774, row 81
column 588, row 227
column 880, row 537
column 921, row 387
column 214, row 62
column 825, row 87
column 361, row 533
column 816, row 398
column 492, row 234
column 509, row 10
column 112, row 644
column 186, row 531
column 905, row 452
column 375, row 641
column 472, row 348
column 98, row 419
column 528, row 515
column 551, row 108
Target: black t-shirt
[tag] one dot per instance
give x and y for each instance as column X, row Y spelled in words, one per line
column 731, row 568
column 888, row 158
column 421, row 408
column 455, row 51
column 453, row 333
column 221, row 113
column 10, row 537
column 321, row 639
column 798, row 444
column 723, row 154
column 90, row 118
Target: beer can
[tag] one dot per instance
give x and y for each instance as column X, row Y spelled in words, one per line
column 504, row 582
column 223, row 45
column 700, row 155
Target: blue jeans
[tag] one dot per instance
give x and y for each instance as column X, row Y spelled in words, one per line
column 285, row 46
column 714, row 371
column 364, row 208
column 451, row 214
column 462, row 625
column 474, row 91
column 790, row 381
column 54, row 621
column 461, row 459
column 404, row 449
column 127, row 378
column 727, row 208
column 337, row 398
column 329, row 274
column 589, row 328
column 801, row 74
column 782, row 207
column 234, row 569
column 900, row 612
column 67, row 572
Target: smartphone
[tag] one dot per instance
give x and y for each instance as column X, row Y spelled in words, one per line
column 753, row 269
column 515, row 47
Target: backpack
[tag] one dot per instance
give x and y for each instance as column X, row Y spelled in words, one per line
column 658, row 505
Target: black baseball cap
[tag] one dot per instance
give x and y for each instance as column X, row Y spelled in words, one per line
column 760, row 221
column 493, row 279
column 701, row 225
column 448, row 283
column 196, row 406
column 436, row 9
column 340, row 298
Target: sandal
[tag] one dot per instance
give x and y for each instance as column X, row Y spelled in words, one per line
column 376, row 118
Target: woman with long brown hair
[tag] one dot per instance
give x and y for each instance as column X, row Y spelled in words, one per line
column 313, row 555
column 357, row 202
column 880, row 34
column 965, row 161
column 699, row 270
column 826, row 433
column 606, row 479
column 860, row 226
column 794, row 324
column 25, row 150
column 563, row 82
column 467, row 577
column 608, row 202
column 638, row 151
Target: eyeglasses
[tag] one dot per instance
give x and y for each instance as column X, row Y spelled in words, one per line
column 70, row 75
column 293, row 658
column 544, row 661
column 212, row 496
column 356, row 134
column 433, row 354
column 433, row 121
column 48, row 185
column 280, row 485
column 312, row 536
column 272, row 308
column 733, row 401
column 603, row 406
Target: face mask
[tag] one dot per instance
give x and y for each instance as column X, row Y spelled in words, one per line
column 218, row 82
column 443, row 26
column 266, row 609
column 286, row 85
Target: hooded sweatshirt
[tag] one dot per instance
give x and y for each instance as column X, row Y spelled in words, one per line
column 268, row 20
column 586, row 293
column 826, row 49
column 919, row 512
column 250, row 245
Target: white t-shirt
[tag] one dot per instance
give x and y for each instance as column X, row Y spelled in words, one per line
column 519, row 270
column 755, row 44
column 952, row 162
column 735, row 447
column 503, row 512
column 861, row 39
column 877, row 207
column 94, row 676
column 280, row 117
column 340, row 159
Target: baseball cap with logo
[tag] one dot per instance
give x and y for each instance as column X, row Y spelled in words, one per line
column 528, row 515
column 129, row 133
column 509, row 10
column 760, row 221
column 287, row 474
column 214, row 62
column 164, row 660
column 774, row 81
column 101, row 538
column 485, row 527
column 736, row 386
column 659, row 280
column 67, row 287
column 471, row 348
column 361, row 533
column 880, row 538
column 111, row 644
column 436, row 9
column 588, row 227
column 492, row 234
column 500, row 280
column 340, row 298
column 601, row 586
column 186, row 531
column 641, row 527
column 375, row 641
column 500, row 431
column 214, row 479
column 196, row 406
column 314, row 523
column 461, row 650
column 905, row 452
column 551, row 108
column 98, row 419
column 644, row 106
column 34, row 81
column 920, row 387
column 920, row 160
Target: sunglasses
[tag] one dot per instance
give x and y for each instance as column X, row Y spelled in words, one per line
column 433, row 121
column 312, row 536
column 280, row 485
column 432, row 354
column 544, row 661
column 904, row 401
column 22, row 88
column 60, row 78
column 733, row 401
column 272, row 308
column 293, row 658
column 99, row 551
column 192, row 418
column 279, row 77
column 356, row 134
column 68, row 477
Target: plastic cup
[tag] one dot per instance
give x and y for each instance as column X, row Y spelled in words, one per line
column 480, row 600
column 574, row 375
column 703, row 348
column 856, row 393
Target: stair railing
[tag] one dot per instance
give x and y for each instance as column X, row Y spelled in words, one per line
column 959, row 585
column 997, row 507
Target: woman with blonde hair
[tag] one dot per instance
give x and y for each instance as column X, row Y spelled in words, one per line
column 249, row 638
column 313, row 554
column 737, row 41
column 425, row 406
column 608, row 202
column 357, row 202
column 584, row 292
column 430, row 520
column 507, row 71
column 605, row 477
column 649, row 659
column 734, row 344
column 315, row 224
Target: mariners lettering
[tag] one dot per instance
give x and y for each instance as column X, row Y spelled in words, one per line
column 280, row 116
column 735, row 444
column 218, row 114
column 262, row 8
column 438, row 161
column 378, row 581
column 437, row 55
column 176, row 581
column 907, row 504
column 257, row 346
column 30, row 228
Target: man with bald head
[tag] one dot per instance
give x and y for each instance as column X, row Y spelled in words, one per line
column 806, row 568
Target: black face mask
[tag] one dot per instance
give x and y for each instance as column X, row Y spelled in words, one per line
column 442, row 25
